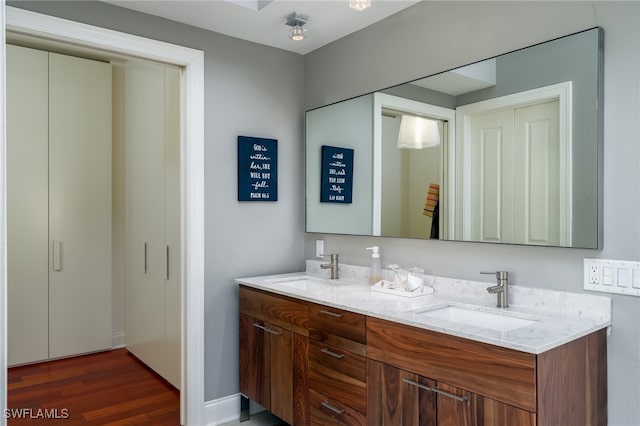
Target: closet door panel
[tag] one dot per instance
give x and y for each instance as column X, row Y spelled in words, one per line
column 80, row 205
column 144, row 159
column 173, row 299
column 27, row 205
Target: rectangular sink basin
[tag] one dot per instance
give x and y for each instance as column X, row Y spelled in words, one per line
column 301, row 282
column 483, row 319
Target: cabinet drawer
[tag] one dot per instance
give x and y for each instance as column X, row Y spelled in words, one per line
column 277, row 310
column 326, row 411
column 337, row 327
column 502, row 374
column 338, row 373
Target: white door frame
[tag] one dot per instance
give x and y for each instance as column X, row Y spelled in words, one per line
column 192, row 180
column 383, row 100
column 462, row 160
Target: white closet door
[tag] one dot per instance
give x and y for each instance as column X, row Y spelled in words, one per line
column 492, row 171
column 145, row 204
column 27, row 205
column 537, row 161
column 173, row 288
column 80, row 205
column 516, row 183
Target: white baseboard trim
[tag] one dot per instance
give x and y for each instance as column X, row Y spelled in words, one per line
column 222, row 410
column 227, row 409
column 118, row 340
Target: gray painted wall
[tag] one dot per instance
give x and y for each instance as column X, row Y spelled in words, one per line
column 345, row 125
column 250, row 90
column 449, row 34
column 243, row 81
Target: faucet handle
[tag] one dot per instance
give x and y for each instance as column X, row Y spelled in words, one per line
column 500, row 275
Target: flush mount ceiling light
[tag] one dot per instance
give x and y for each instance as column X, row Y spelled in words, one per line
column 359, row 4
column 296, row 22
column 418, row 132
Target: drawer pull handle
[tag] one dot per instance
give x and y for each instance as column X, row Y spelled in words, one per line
column 332, row 314
column 333, row 354
column 267, row 329
column 436, row 390
column 328, row 406
column 418, row 385
column 450, row 395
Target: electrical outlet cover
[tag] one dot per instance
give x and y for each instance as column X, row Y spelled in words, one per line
column 594, row 272
column 612, row 276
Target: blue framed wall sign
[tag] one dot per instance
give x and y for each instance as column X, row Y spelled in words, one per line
column 336, row 181
column 257, row 169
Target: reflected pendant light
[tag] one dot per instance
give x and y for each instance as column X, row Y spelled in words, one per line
column 418, row 132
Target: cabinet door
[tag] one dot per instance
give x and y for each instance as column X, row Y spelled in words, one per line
column 455, row 407
column 27, row 205
column 281, row 364
column 255, row 368
column 301, row 405
column 79, row 205
column 396, row 397
column 490, row 412
column 267, row 366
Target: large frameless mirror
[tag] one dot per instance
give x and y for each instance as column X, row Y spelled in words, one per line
column 506, row 150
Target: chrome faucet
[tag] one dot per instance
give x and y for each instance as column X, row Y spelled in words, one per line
column 333, row 265
column 502, row 289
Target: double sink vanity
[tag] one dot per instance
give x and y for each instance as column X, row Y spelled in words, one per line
column 320, row 351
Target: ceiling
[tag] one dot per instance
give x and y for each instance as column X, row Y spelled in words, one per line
column 328, row 20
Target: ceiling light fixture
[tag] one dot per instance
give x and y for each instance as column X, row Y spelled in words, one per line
column 296, row 22
column 359, row 5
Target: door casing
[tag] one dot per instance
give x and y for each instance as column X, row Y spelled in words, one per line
column 31, row 24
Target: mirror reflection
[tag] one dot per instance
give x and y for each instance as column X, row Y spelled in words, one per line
column 501, row 151
column 411, row 152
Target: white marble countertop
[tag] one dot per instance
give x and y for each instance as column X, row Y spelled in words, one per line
column 558, row 317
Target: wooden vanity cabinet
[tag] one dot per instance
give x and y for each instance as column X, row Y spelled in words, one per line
column 337, row 366
column 311, row 364
column 398, row 397
column 273, row 354
column 501, row 387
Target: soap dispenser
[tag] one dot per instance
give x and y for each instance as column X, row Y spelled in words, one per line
column 375, row 274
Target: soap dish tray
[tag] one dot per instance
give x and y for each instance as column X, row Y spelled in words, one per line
column 383, row 286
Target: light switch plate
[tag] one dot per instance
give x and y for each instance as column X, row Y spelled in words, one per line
column 612, row 276
column 319, row 248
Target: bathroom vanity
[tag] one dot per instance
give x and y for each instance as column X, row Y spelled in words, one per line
column 319, row 351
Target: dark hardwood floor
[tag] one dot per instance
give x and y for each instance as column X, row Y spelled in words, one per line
column 107, row 388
